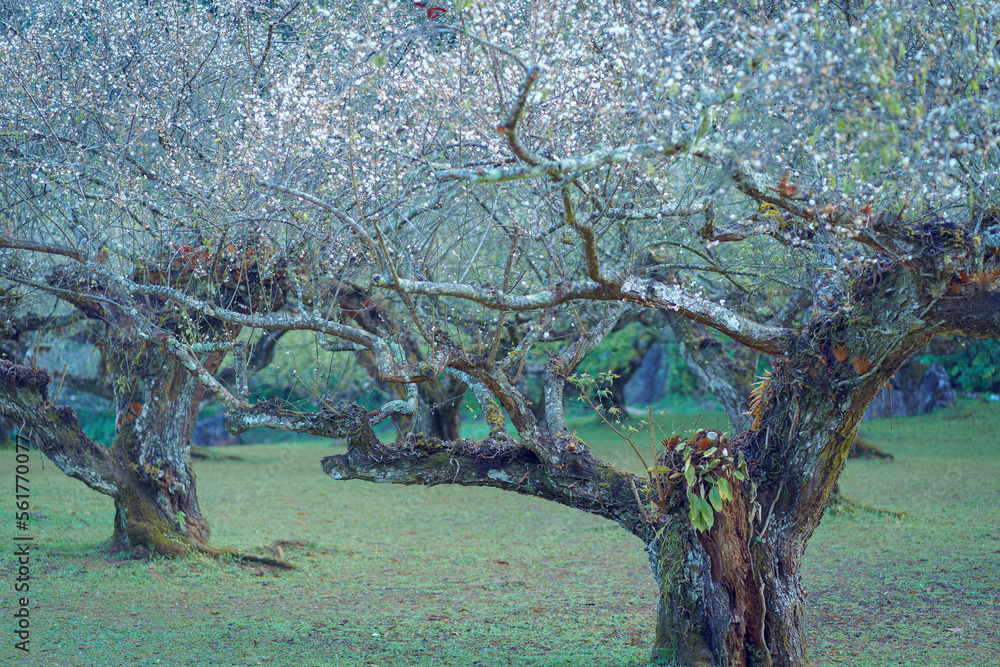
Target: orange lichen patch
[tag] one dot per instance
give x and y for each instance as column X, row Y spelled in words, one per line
column 862, row 364
column 841, row 353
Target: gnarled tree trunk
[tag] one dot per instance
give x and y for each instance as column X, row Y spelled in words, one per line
column 142, row 524
column 149, row 496
column 148, row 469
column 156, row 404
column 731, row 594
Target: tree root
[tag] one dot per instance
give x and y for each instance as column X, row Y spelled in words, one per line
column 207, row 454
column 216, row 552
column 840, row 503
column 864, row 449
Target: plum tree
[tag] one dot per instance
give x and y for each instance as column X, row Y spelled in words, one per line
column 813, row 183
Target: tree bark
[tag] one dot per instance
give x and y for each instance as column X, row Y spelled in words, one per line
column 725, row 377
column 441, row 408
column 156, row 402
column 141, row 523
column 710, row 602
column 147, row 517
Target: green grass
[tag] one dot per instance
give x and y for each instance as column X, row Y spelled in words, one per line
column 921, row 590
column 455, row 576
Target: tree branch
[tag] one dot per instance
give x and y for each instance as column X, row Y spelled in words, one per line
column 975, row 315
column 562, row 365
column 557, row 168
column 767, row 339
column 46, row 248
column 579, row 480
column 54, row 430
column 642, row 291
column 509, row 128
column 347, row 420
column 336, row 212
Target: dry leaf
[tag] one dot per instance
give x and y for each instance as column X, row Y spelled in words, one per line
column 984, row 280
column 862, row 364
column 785, row 187
column 841, row 353
column 757, row 399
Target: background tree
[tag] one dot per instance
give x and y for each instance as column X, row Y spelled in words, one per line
column 111, row 124
column 563, row 165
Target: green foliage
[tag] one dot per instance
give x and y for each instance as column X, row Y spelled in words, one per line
column 703, row 463
column 99, row 425
column 680, row 382
column 973, row 366
column 302, row 370
column 624, row 348
column 593, row 391
column 617, row 350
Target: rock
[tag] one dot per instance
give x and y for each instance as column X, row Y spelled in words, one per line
column 935, row 389
column 916, row 389
column 648, row 383
column 211, row 432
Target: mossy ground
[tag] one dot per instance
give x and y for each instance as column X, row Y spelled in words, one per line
column 453, row 576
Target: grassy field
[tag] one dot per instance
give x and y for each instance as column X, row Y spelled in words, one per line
column 454, row 576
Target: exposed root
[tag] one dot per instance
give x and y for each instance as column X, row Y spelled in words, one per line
column 864, row 449
column 840, row 503
column 207, row 454
column 170, row 544
column 216, row 552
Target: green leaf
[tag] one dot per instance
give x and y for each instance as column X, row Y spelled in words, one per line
column 715, row 498
column 739, row 475
column 699, row 506
column 707, row 513
column 660, row 470
column 693, row 510
column 689, row 475
column 892, row 106
column 724, row 490
column 706, row 122
column 708, row 452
